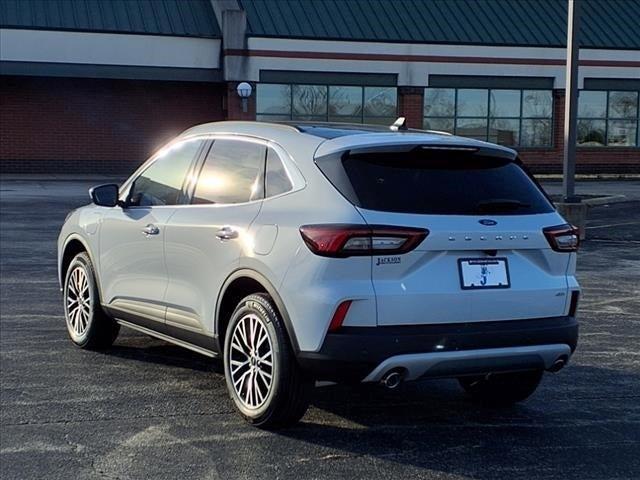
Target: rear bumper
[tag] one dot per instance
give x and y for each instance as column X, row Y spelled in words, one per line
column 354, row 353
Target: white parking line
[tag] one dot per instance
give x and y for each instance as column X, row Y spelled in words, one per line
column 614, row 225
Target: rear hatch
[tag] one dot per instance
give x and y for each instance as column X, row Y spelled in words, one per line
column 485, row 257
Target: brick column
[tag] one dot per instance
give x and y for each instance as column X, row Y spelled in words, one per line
column 410, row 100
column 234, row 103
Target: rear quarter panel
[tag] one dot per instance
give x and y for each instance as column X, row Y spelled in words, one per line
column 311, row 286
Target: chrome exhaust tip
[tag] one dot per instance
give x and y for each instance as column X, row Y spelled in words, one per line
column 392, row 379
column 557, row 365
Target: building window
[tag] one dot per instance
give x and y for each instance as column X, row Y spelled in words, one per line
column 508, row 117
column 608, row 118
column 333, row 103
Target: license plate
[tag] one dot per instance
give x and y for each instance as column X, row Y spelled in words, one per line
column 483, row 273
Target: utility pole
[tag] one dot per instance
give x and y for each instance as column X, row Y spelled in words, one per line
column 571, row 102
column 571, row 208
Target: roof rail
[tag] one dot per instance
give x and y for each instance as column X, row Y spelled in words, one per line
column 439, row 132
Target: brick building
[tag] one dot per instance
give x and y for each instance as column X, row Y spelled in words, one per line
column 97, row 86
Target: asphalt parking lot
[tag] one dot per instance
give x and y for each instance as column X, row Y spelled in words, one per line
column 146, row 409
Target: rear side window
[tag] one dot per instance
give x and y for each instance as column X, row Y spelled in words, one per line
column 277, row 181
column 438, row 182
column 232, row 173
column 161, row 183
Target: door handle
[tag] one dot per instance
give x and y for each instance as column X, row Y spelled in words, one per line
column 150, row 229
column 227, row 233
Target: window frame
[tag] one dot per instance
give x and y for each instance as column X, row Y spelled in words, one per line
column 298, row 182
column 296, row 178
column 290, row 115
column 607, row 118
column 488, row 118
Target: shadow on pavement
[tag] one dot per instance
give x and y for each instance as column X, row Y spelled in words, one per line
column 163, row 354
column 574, row 424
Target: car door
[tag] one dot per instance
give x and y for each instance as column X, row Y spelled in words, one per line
column 204, row 241
column 133, row 269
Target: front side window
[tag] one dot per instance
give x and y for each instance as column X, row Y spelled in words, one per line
column 608, row 118
column 333, row 103
column 161, row 183
column 232, row 173
column 505, row 116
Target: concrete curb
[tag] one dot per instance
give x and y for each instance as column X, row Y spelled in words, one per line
column 603, row 200
column 608, row 200
column 557, row 177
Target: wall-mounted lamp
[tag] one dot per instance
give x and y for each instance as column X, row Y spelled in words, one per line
column 244, row 92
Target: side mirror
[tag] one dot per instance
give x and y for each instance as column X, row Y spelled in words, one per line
column 105, row 195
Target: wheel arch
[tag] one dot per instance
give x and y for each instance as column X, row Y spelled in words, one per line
column 238, row 285
column 73, row 245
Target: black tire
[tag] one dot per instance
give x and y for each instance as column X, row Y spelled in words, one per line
column 286, row 397
column 502, row 389
column 91, row 328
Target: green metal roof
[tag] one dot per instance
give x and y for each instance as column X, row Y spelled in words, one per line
column 605, row 23
column 189, row 18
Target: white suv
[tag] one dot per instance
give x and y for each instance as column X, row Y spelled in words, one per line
column 303, row 252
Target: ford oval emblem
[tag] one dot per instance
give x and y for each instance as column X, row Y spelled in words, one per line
column 488, row 222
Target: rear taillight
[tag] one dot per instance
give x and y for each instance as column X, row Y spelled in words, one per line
column 563, row 238
column 339, row 240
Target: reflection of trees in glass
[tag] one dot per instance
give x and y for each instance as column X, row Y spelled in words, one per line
column 535, row 133
column 623, row 104
column 622, row 132
column 536, row 103
column 273, row 99
column 380, row 101
column 309, row 100
column 440, row 102
column 592, row 104
column 591, row 132
column 342, row 103
column 504, row 131
column 516, row 117
column 472, row 127
column 607, row 118
column 504, row 103
column 472, row 102
column 439, row 124
column 345, row 101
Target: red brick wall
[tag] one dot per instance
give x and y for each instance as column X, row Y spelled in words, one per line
column 70, row 125
column 589, row 160
column 410, row 101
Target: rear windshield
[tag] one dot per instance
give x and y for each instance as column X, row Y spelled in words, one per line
column 438, row 182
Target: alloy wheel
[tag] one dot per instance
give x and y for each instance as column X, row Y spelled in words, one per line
column 78, row 301
column 251, row 361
